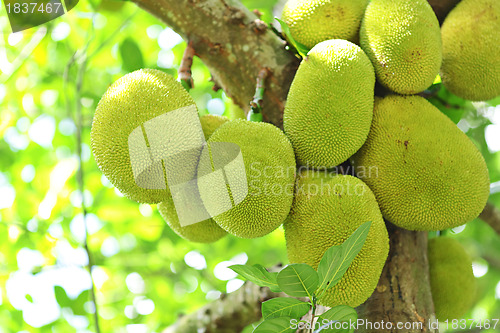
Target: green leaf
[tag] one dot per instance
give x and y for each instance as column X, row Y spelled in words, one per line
column 284, row 307
column 298, row 280
column 258, row 275
column 70, row 4
column 61, row 297
column 131, row 55
column 275, row 325
column 78, row 305
column 340, row 314
column 28, row 298
column 301, row 48
column 327, row 265
column 337, row 260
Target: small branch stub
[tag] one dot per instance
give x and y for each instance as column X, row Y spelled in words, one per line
column 491, row 215
column 257, row 103
column 185, row 73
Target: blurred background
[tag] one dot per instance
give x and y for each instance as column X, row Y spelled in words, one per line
column 145, row 276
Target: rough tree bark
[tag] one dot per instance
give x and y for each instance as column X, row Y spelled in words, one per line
column 229, row 314
column 403, row 294
column 235, row 45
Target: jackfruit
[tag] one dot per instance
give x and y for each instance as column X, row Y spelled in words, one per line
column 329, row 107
column 314, row 21
column 403, row 41
column 127, row 104
column 203, row 232
column 326, row 210
column 425, row 173
column 210, row 122
column 453, row 284
column 270, row 173
column 471, row 48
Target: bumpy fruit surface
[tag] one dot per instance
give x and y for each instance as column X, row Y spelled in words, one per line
column 426, row 174
column 326, row 210
column 471, row 49
column 210, row 122
column 270, row 173
column 127, row 104
column 403, row 40
column 329, row 107
column 314, row 21
column 453, row 284
column 203, row 232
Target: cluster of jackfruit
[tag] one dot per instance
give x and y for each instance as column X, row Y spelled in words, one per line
column 413, row 166
column 267, row 153
column 420, row 170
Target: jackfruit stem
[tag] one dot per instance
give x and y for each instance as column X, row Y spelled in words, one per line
column 257, row 103
column 185, row 73
column 433, row 95
column 313, row 302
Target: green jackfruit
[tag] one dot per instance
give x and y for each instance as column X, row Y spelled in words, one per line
column 203, row 232
column 314, row 21
column 471, row 49
column 453, row 284
column 210, row 123
column 329, row 107
column 326, row 210
column 426, row 174
column 128, row 104
column 403, row 41
column 270, row 173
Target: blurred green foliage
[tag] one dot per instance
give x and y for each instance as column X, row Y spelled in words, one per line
column 145, row 275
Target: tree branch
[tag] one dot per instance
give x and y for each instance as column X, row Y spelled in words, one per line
column 491, row 215
column 256, row 105
column 235, row 45
column 229, row 314
column 185, row 73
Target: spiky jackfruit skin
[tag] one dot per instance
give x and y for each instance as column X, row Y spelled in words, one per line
column 425, row 173
column 203, row 232
column 403, row 40
column 210, row 122
column 453, row 284
column 329, row 107
column 270, row 171
column 129, row 102
column 471, row 48
column 314, row 21
column 326, row 210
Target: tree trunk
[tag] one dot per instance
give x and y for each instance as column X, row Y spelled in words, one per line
column 235, row 45
column 403, row 294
